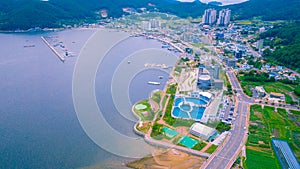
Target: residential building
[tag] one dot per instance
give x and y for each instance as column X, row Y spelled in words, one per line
column 145, row 25
column 209, row 17
column 224, row 17
column 231, row 62
column 261, row 91
column 155, row 24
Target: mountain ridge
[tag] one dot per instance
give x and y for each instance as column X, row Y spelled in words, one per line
column 25, row 14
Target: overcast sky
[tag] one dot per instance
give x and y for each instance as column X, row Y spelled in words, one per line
column 224, row 2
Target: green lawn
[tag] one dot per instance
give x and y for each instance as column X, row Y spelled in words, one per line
column 157, row 131
column 295, row 112
column 168, row 117
column 199, row 146
column 145, row 103
column 172, row 89
column 156, row 97
column 211, row 149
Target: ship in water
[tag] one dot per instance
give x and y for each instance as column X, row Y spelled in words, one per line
column 29, row 46
column 154, row 83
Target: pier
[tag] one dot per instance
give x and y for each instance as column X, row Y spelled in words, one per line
column 161, row 40
column 61, row 58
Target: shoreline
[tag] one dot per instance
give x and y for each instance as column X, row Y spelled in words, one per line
column 50, row 30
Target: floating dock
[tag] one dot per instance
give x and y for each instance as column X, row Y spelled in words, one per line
column 61, row 58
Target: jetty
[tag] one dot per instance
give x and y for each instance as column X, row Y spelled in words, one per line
column 61, row 58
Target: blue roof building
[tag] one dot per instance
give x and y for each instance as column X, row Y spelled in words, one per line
column 285, row 155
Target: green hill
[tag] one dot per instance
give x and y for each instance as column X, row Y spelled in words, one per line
column 25, row 14
column 267, row 9
column 285, row 40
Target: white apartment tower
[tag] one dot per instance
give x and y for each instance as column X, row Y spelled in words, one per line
column 145, row 25
column 209, row 17
column 224, row 17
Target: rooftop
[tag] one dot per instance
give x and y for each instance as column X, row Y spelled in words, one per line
column 202, row 129
column 285, row 154
column 277, row 94
column 260, row 89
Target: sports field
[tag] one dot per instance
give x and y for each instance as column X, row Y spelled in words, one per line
column 188, row 142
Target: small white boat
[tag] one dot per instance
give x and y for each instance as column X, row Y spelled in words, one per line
column 154, row 83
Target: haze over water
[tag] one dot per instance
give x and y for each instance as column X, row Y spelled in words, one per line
column 38, row 123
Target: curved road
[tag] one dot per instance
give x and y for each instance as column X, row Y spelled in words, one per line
column 228, row 152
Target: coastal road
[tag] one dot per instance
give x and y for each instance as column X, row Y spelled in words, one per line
column 228, row 152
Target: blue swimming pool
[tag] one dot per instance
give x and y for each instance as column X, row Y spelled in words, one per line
column 188, row 108
column 185, row 107
column 179, row 113
column 197, row 112
column 178, row 100
column 195, row 100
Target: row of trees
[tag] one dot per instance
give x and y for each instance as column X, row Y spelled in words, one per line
column 252, row 76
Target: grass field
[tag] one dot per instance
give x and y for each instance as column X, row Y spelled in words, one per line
column 199, row 146
column 211, row 149
column 260, row 160
column 157, row 97
column 244, row 22
column 266, row 123
column 149, row 115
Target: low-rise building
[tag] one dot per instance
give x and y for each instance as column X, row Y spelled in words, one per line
column 261, row 91
column 278, row 96
column 231, row 62
column 202, row 131
column 217, row 84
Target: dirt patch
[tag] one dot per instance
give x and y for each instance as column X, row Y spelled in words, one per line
column 258, row 114
column 182, row 130
column 261, row 142
column 170, row 159
column 253, row 124
column 275, row 133
column 254, row 148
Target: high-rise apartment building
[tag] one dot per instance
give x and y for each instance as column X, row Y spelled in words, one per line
column 224, row 17
column 209, row 17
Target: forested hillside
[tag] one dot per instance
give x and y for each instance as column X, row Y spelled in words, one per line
column 284, row 39
column 25, row 14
